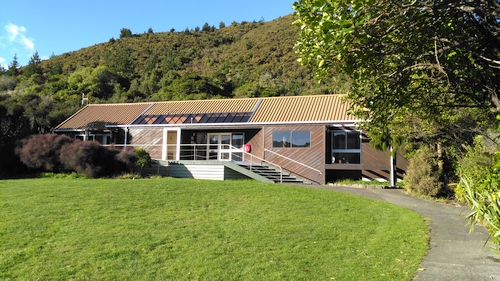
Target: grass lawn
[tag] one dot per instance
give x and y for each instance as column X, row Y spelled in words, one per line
column 181, row 229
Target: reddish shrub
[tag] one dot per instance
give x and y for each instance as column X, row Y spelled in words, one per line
column 94, row 160
column 43, row 151
column 87, row 157
column 128, row 158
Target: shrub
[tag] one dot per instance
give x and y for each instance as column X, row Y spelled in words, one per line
column 485, row 206
column 143, row 159
column 422, row 175
column 476, row 165
column 126, row 159
column 479, row 187
column 43, row 151
column 58, row 153
column 87, row 157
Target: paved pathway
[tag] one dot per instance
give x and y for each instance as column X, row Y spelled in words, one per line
column 454, row 253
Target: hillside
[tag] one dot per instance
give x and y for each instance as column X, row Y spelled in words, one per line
column 247, row 59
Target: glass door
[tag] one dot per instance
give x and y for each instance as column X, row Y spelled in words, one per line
column 220, row 146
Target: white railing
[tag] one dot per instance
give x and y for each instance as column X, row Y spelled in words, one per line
column 250, row 158
column 222, row 152
column 292, row 160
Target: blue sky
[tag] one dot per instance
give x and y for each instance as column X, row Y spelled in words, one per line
column 61, row 26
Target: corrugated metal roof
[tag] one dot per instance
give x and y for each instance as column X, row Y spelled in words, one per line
column 322, row 108
column 97, row 116
column 203, row 106
column 302, row 109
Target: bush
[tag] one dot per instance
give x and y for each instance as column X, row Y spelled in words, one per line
column 485, row 206
column 43, row 151
column 476, row 166
column 143, row 159
column 86, row 157
column 422, row 176
column 58, row 153
column 126, row 158
column 479, row 187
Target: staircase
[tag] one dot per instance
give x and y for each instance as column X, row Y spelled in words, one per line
column 271, row 174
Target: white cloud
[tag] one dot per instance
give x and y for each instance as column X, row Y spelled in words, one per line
column 17, row 34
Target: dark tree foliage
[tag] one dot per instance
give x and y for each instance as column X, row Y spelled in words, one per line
column 125, row 32
column 425, row 58
column 13, row 69
column 43, row 152
column 13, row 126
column 33, row 66
column 206, row 27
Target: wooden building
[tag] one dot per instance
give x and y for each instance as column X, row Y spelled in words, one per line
column 299, row 138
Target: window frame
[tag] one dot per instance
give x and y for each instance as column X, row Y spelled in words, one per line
column 346, row 150
column 289, row 134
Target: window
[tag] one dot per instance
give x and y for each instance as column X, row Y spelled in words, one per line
column 292, row 139
column 104, row 139
column 346, row 147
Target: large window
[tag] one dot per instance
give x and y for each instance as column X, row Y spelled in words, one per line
column 292, row 139
column 346, row 147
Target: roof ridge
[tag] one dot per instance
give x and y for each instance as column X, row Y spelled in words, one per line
column 116, row 104
column 252, row 98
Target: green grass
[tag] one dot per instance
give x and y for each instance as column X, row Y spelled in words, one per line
column 174, row 229
column 371, row 182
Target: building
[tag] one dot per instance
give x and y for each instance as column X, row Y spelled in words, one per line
column 311, row 138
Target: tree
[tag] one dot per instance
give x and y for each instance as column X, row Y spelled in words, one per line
column 125, row 32
column 206, row 27
column 222, row 25
column 99, row 82
column 13, row 69
column 423, row 59
column 33, row 66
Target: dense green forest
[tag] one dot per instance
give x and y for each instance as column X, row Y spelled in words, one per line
column 246, row 59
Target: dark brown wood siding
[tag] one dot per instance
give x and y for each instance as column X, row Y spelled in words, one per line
column 151, row 139
column 377, row 164
column 256, row 142
column 313, row 156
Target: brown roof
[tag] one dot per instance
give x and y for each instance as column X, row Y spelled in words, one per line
column 321, row 108
column 96, row 116
column 302, row 109
column 203, row 106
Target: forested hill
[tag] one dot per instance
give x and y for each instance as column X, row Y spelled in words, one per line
column 247, row 59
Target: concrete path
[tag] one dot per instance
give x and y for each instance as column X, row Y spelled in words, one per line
column 454, row 253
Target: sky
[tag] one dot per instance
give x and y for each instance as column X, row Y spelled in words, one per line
column 55, row 27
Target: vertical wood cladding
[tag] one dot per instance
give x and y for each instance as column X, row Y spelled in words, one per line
column 151, row 139
column 376, row 163
column 256, row 142
column 376, row 160
column 313, row 156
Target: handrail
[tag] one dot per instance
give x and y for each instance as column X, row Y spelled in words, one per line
column 294, row 161
column 260, row 159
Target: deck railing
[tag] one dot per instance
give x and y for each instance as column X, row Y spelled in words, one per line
column 224, row 152
column 292, row 160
